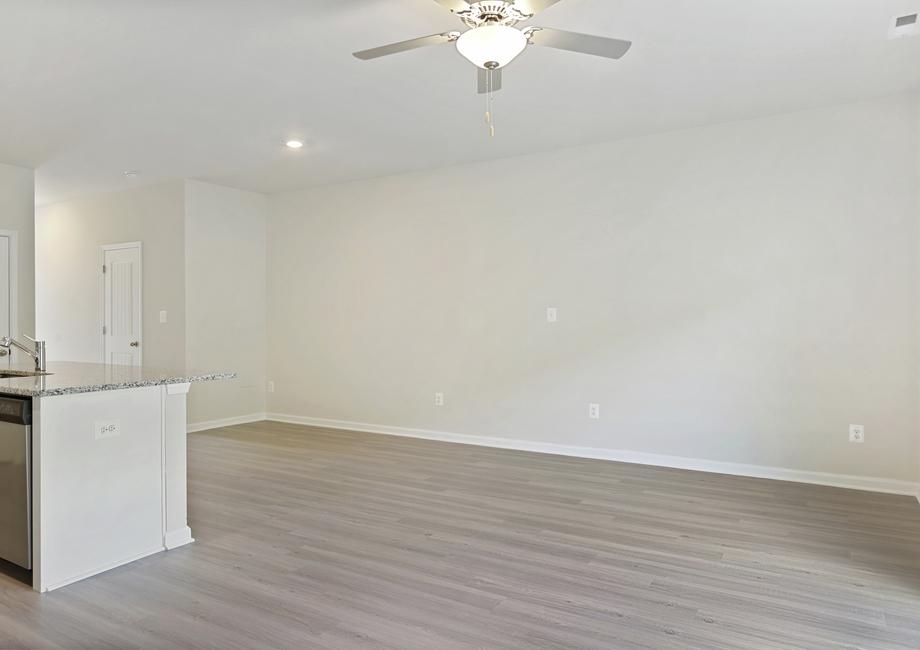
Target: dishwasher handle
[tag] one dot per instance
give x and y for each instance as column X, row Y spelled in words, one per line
column 16, row 410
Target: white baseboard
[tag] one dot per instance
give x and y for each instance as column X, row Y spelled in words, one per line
column 867, row 483
column 100, row 569
column 226, row 422
column 173, row 539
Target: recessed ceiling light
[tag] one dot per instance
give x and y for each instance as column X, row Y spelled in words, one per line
column 293, row 144
column 131, row 173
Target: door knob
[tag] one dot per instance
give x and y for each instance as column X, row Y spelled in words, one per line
column 135, row 344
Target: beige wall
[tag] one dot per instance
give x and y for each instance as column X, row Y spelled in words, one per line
column 204, row 263
column 68, row 240
column 738, row 293
column 225, row 298
column 17, row 213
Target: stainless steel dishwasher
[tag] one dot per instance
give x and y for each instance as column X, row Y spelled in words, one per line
column 16, row 481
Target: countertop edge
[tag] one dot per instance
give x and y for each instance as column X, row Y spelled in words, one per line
column 13, row 391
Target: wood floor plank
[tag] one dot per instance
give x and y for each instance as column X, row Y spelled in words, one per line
column 313, row 538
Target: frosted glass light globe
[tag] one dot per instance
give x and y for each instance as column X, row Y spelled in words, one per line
column 491, row 45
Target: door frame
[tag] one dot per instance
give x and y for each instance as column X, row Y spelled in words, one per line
column 140, row 265
column 13, row 236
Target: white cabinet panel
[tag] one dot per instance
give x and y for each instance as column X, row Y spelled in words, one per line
column 101, row 496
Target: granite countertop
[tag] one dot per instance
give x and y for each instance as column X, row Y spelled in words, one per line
column 68, row 377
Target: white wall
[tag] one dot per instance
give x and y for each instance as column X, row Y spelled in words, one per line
column 225, row 298
column 17, row 213
column 68, row 265
column 738, row 293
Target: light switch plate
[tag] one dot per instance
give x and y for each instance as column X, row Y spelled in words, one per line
column 107, row 428
column 552, row 315
column 163, row 316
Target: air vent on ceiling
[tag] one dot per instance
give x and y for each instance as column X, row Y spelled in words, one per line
column 906, row 25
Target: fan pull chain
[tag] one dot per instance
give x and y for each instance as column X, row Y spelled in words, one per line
column 488, row 107
column 489, row 99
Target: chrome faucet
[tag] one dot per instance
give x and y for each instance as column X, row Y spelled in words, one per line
column 37, row 353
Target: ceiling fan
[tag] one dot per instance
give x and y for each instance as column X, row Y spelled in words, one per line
column 493, row 40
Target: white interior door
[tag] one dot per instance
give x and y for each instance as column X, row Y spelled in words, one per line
column 121, row 320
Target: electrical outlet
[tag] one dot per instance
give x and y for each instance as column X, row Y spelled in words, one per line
column 439, row 399
column 594, row 411
column 271, row 387
column 107, row 429
column 857, row 433
column 552, row 315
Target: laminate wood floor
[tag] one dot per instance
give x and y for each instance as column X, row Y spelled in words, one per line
column 309, row 538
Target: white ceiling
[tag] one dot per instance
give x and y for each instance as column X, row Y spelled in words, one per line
column 210, row 89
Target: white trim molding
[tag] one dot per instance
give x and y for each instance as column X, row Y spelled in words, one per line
column 867, row 483
column 13, row 236
column 194, row 427
column 176, row 538
column 100, row 569
column 178, row 389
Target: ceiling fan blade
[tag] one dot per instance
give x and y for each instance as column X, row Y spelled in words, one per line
column 405, row 46
column 611, row 48
column 531, row 7
column 454, row 6
column 483, row 80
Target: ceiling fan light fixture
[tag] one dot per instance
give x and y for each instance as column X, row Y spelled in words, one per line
column 492, row 45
